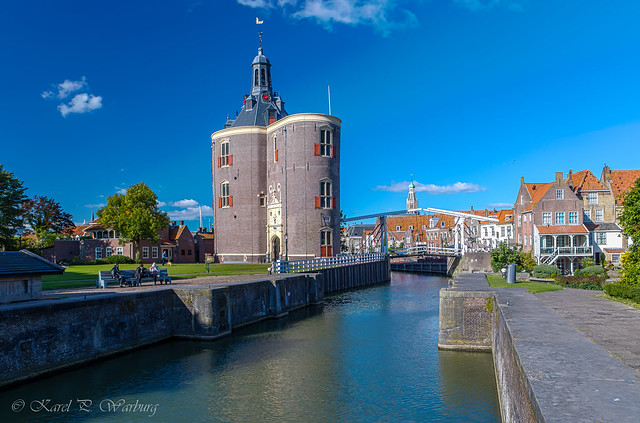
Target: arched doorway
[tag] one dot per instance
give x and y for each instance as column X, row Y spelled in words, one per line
column 275, row 248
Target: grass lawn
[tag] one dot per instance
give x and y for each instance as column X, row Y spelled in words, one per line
column 533, row 287
column 86, row 275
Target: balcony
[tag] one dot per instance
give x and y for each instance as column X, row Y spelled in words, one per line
column 569, row 251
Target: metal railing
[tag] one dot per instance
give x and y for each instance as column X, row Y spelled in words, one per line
column 297, row 266
column 423, row 249
column 568, row 251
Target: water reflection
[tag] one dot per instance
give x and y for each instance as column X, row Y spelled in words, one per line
column 367, row 355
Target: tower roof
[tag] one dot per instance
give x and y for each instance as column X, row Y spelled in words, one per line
column 260, row 58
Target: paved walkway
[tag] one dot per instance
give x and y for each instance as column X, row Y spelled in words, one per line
column 612, row 325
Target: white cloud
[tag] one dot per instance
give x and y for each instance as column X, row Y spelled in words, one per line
column 383, row 15
column 121, row 191
column 161, row 203
column 499, row 205
column 67, row 87
column 457, row 188
column 81, row 103
column 190, row 213
column 95, row 206
column 517, row 5
column 185, row 203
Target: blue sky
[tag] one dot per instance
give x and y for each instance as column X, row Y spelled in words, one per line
column 465, row 95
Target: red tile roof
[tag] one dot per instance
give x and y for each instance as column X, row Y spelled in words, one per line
column 536, row 191
column 562, row 229
column 614, row 250
column 586, row 181
column 622, row 181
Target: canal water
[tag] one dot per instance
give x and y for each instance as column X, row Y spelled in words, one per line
column 367, row 356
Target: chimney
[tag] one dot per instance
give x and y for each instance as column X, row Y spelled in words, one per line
column 173, row 223
column 558, row 177
column 521, row 180
column 570, row 179
column 606, row 174
column 182, row 223
column 471, row 209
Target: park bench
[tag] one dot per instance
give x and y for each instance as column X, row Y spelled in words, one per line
column 128, row 277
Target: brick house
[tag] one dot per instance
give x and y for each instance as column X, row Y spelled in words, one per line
column 95, row 241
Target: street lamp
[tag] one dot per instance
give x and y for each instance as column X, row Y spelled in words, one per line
column 20, row 231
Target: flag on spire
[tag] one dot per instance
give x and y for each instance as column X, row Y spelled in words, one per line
column 258, row 21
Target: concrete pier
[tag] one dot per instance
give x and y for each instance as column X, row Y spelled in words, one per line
column 546, row 370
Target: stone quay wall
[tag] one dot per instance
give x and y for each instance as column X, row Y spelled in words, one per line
column 45, row 336
column 546, row 370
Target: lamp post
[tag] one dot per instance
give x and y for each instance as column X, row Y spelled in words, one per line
column 20, row 231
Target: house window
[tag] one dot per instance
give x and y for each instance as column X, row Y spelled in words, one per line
column 546, row 218
column 493, row 231
column 225, row 158
column 560, row 218
column 98, row 253
column 573, row 217
column 599, row 215
column 188, row 252
column 442, row 224
column 410, row 227
column 559, row 194
column 145, row 252
column 502, row 231
column 325, row 244
column 154, row 252
column 521, row 199
column 519, row 220
column 525, row 240
column 225, row 199
column 592, row 198
column 182, row 252
column 262, row 200
column 601, row 238
column 587, row 215
column 119, row 251
column 109, row 251
column 325, row 200
column 509, row 231
column 519, row 238
column 397, row 228
column 531, row 240
column 615, row 259
column 485, row 232
column 424, row 227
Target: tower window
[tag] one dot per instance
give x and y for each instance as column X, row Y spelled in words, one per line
column 325, row 244
column 325, row 200
column 225, row 199
column 325, row 147
column 225, row 158
column 262, row 77
column 256, row 78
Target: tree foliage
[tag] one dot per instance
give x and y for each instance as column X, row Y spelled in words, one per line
column 503, row 255
column 630, row 222
column 135, row 215
column 45, row 215
column 11, row 197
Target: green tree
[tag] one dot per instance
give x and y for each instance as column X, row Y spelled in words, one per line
column 503, row 255
column 46, row 216
column 630, row 222
column 135, row 215
column 343, row 232
column 11, row 197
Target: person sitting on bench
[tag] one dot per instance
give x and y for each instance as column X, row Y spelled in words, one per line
column 115, row 273
column 154, row 270
column 140, row 273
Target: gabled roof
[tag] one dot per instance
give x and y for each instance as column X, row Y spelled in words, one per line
column 621, row 182
column 16, row 263
column 562, row 229
column 536, row 192
column 586, row 181
column 502, row 216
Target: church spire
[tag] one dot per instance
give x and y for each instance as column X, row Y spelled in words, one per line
column 412, row 199
column 261, row 71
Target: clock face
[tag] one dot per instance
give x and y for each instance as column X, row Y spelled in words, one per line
column 265, row 97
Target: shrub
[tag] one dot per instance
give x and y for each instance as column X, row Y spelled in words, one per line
column 119, row 259
column 592, row 270
column 621, row 290
column 502, row 256
column 594, row 282
column 545, row 271
column 587, row 262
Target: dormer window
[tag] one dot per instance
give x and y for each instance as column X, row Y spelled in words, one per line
column 559, row 194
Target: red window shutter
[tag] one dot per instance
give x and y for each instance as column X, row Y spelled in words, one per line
column 219, row 202
column 271, row 120
column 276, row 155
column 230, row 159
column 333, row 202
column 316, row 149
column 329, row 251
column 317, row 202
column 219, row 161
column 333, row 151
column 231, row 201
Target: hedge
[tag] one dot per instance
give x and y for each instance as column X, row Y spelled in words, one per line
column 581, row 282
column 619, row 290
column 590, row 271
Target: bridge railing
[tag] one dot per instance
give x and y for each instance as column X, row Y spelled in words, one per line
column 423, row 249
column 296, row 266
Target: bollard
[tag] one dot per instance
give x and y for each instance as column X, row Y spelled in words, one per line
column 511, row 273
